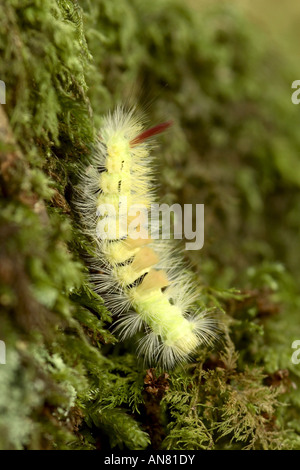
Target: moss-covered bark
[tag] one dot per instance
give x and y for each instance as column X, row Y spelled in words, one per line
column 68, row 383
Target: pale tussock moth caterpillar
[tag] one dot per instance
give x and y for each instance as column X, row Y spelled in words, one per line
column 140, row 278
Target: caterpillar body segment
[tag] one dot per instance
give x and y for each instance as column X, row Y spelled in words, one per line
column 140, row 278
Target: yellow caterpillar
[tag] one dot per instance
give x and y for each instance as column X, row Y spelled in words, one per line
column 139, row 277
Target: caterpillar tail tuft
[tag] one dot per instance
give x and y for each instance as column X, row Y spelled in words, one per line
column 140, row 278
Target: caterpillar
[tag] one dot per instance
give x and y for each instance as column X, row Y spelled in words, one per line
column 142, row 280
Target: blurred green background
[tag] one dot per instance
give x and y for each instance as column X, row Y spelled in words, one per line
column 280, row 21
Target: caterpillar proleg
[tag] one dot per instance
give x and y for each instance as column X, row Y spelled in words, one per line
column 138, row 275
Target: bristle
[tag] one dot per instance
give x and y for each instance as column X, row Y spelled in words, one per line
column 158, row 129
